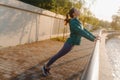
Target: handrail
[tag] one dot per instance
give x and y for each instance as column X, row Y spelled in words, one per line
column 91, row 71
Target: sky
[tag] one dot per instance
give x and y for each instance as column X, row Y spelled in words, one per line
column 104, row 9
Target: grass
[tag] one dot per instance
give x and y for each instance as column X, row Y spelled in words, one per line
column 61, row 39
column 0, row 46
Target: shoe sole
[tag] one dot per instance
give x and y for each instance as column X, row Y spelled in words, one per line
column 43, row 72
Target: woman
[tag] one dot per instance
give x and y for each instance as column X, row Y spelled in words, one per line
column 76, row 32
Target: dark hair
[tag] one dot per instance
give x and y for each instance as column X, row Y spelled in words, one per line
column 69, row 14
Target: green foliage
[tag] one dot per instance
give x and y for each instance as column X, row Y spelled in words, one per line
column 87, row 17
column 116, row 21
column 105, row 24
column 62, row 7
column 61, row 39
column 57, row 6
column 46, row 4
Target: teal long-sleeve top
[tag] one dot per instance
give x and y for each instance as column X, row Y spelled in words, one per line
column 77, row 31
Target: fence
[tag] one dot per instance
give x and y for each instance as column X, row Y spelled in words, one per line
column 22, row 23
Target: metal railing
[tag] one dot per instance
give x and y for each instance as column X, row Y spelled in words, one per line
column 91, row 71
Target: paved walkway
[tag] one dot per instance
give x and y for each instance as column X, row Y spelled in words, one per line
column 24, row 62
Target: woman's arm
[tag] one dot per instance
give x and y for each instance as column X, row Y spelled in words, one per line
column 89, row 33
column 78, row 30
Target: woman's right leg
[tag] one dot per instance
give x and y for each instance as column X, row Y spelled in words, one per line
column 66, row 48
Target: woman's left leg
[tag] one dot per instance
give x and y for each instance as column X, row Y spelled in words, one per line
column 65, row 49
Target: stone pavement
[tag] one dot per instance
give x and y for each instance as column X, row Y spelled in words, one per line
column 24, row 62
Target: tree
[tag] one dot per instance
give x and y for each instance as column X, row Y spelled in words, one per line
column 46, row 4
column 116, row 21
column 105, row 24
column 86, row 16
column 57, row 6
column 63, row 6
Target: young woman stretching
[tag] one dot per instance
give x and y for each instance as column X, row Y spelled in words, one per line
column 76, row 32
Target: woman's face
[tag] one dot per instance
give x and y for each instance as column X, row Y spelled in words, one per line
column 76, row 13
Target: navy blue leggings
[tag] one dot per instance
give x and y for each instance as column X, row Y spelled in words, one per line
column 65, row 49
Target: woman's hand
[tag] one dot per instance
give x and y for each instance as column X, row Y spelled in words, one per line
column 97, row 38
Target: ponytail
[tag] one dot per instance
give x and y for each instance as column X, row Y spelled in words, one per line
column 69, row 14
column 67, row 19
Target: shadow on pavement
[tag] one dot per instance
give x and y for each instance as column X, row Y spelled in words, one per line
column 35, row 73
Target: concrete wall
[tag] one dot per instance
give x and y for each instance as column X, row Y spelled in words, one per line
column 23, row 23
